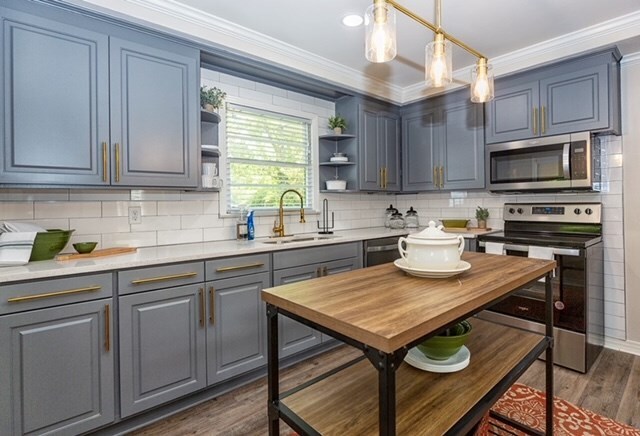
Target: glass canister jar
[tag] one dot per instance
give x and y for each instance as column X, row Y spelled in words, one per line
column 387, row 215
column 396, row 221
column 411, row 220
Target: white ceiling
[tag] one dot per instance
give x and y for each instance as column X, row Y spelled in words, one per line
column 309, row 37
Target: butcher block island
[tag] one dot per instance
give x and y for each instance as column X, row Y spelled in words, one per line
column 385, row 312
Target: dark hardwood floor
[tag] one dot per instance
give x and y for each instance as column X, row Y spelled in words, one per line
column 611, row 388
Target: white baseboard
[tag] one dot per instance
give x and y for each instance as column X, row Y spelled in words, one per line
column 631, row 347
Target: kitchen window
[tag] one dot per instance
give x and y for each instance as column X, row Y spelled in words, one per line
column 267, row 153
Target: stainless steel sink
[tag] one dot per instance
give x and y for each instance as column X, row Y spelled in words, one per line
column 300, row 238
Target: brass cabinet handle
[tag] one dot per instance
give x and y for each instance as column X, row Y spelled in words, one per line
column 237, row 267
column 381, row 177
column 324, row 271
column 385, row 178
column 435, row 177
column 442, row 176
column 202, row 307
column 53, row 294
column 163, row 278
column 105, row 162
column 107, row 327
column 535, row 120
column 319, row 272
column 543, row 120
column 117, row 147
column 212, row 305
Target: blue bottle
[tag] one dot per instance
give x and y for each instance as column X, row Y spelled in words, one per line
column 250, row 226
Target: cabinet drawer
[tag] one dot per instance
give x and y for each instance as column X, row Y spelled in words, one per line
column 159, row 277
column 238, row 266
column 54, row 292
column 307, row 256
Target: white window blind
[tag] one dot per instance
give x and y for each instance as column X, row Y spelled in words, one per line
column 267, row 153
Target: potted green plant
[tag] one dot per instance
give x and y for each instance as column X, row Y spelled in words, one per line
column 481, row 215
column 338, row 124
column 211, row 98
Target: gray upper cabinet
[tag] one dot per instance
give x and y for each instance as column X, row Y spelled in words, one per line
column 154, row 116
column 443, row 144
column 55, row 94
column 84, row 107
column 377, row 129
column 577, row 95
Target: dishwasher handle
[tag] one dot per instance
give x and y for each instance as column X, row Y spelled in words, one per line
column 379, row 248
column 525, row 249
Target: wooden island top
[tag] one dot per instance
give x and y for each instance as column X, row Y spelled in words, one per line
column 385, row 308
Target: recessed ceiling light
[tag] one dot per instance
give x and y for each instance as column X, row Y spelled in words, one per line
column 352, row 20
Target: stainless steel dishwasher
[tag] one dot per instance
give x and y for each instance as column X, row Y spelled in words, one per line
column 382, row 250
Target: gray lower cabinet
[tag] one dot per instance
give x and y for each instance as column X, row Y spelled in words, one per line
column 443, row 145
column 581, row 94
column 83, row 107
column 295, row 337
column 57, row 369
column 162, row 346
column 236, row 326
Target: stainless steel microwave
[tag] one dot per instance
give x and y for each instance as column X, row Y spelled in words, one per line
column 555, row 163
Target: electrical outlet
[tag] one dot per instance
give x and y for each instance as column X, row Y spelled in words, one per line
column 135, row 215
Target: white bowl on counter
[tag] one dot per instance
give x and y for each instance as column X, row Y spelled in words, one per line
column 336, row 185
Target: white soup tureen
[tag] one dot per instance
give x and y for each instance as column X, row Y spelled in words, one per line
column 432, row 249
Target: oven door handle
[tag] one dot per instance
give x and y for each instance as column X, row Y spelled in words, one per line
column 525, row 249
column 378, row 248
column 566, row 149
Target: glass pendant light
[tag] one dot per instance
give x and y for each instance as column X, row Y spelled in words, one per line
column 380, row 28
column 438, row 65
column 482, row 82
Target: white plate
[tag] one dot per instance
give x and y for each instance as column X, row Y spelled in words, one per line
column 339, row 159
column 433, row 274
column 457, row 362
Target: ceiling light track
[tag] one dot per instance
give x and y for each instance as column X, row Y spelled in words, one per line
column 380, row 24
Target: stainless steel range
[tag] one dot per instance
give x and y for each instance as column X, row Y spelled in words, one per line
column 572, row 234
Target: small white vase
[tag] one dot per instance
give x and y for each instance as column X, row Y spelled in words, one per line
column 337, row 130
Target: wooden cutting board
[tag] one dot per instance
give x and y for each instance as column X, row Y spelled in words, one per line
column 473, row 230
column 97, row 253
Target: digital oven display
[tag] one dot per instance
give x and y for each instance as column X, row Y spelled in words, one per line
column 547, row 210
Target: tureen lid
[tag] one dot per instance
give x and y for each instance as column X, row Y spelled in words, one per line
column 432, row 232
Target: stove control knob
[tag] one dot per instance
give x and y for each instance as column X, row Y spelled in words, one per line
column 577, row 211
column 520, row 211
column 512, row 210
column 588, row 211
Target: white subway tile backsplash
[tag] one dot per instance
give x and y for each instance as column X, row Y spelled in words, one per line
column 121, row 208
column 237, row 81
column 254, row 95
column 106, row 225
column 22, row 210
column 268, row 89
column 152, row 195
column 99, row 195
column 34, row 194
column 200, row 222
column 134, row 239
column 152, row 223
column 180, row 207
column 170, row 237
column 69, row 209
column 285, row 102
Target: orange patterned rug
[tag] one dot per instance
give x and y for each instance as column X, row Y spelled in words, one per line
column 527, row 406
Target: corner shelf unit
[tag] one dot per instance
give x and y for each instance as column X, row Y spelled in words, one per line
column 209, row 147
column 344, row 143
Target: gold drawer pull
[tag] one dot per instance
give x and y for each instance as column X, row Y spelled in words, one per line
column 237, row 267
column 107, row 327
column 163, row 278
column 105, row 158
column 53, row 294
column 117, row 147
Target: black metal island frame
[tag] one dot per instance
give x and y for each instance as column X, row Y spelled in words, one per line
column 384, row 313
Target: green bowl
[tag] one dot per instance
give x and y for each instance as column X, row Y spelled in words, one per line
column 441, row 347
column 84, row 247
column 456, row 223
column 48, row 244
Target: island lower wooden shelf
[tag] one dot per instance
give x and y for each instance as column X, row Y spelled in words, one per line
column 346, row 402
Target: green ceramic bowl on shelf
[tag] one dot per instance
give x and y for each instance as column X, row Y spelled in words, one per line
column 48, row 244
column 442, row 347
column 84, row 247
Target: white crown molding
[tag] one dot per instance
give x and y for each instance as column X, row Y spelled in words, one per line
column 631, row 59
column 212, row 30
column 630, row 347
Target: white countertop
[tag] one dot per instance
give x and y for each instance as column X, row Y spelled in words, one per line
column 181, row 253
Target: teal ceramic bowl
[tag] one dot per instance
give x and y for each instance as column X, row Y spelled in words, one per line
column 84, row 247
column 48, row 244
column 442, row 347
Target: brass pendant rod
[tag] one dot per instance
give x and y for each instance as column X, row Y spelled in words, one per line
column 434, row 29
